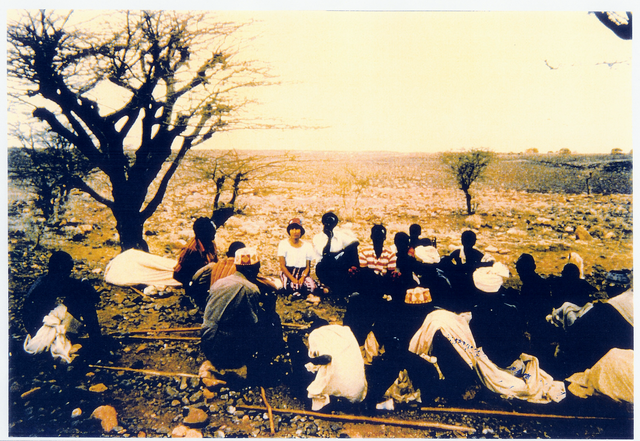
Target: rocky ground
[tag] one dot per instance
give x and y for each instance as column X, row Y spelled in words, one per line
column 519, row 209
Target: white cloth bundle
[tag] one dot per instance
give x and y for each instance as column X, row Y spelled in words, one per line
column 344, row 376
column 135, row 267
column 612, row 376
column 52, row 335
column 523, row 379
column 490, row 278
column 567, row 314
column 426, row 254
column 624, row 305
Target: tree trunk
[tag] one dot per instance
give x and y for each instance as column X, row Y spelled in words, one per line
column 467, row 195
column 130, row 228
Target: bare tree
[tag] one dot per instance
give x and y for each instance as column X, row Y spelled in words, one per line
column 232, row 170
column 466, row 167
column 173, row 73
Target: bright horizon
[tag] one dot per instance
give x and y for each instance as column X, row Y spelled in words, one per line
column 432, row 81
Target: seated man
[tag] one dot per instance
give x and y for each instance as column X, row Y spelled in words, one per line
column 336, row 252
column 459, row 267
column 373, row 279
column 57, row 286
column 536, row 303
column 199, row 252
column 570, row 287
column 415, row 230
column 240, row 326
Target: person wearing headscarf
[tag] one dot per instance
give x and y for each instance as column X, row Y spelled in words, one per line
column 496, row 322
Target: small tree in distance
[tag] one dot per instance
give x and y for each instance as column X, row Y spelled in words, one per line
column 466, row 167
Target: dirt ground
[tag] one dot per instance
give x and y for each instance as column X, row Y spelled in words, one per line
column 513, row 216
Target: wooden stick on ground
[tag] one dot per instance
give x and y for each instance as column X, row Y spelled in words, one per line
column 146, row 371
column 506, row 413
column 165, row 330
column 29, row 392
column 138, row 291
column 364, row 419
column 269, row 410
column 158, row 337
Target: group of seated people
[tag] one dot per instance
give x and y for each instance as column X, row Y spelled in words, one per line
column 390, row 290
column 390, row 293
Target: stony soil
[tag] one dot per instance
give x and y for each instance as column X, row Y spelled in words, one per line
column 519, row 209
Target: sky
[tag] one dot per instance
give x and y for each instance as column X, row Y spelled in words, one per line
column 429, row 81
column 437, row 81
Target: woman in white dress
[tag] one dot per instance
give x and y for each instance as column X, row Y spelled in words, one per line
column 295, row 256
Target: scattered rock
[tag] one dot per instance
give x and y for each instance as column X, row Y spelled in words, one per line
column 582, row 233
column 196, row 418
column 108, row 417
column 179, row 431
column 100, row 387
column 76, row 412
column 543, row 221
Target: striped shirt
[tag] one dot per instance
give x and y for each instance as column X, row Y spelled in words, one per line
column 381, row 265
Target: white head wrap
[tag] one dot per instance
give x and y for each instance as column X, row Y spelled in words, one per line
column 490, row 278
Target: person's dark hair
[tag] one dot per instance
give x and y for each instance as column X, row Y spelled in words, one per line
column 295, row 223
column 235, row 246
column 468, row 238
column 415, row 230
column 571, row 271
column 378, row 230
column 401, row 240
column 525, row 263
column 330, row 218
column 203, row 227
column 60, row 262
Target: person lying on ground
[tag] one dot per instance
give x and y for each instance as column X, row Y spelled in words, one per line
column 295, row 256
column 336, row 252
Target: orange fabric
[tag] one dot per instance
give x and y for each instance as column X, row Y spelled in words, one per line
column 222, row 268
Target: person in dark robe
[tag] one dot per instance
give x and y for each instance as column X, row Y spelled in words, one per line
column 57, row 286
column 569, row 287
column 459, row 267
column 336, row 252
